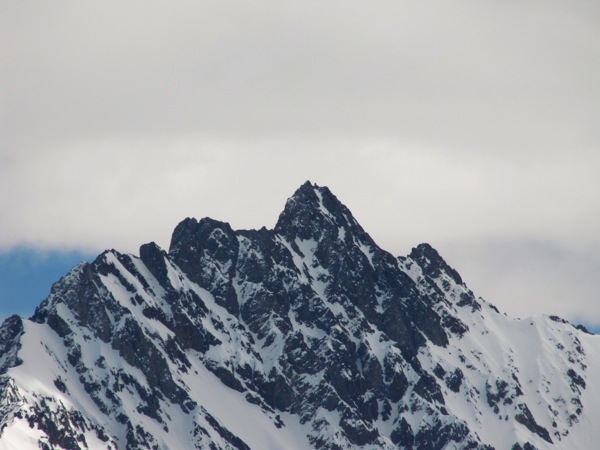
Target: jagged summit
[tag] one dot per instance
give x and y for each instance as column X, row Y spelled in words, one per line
column 314, row 211
column 432, row 263
column 191, row 229
column 311, row 332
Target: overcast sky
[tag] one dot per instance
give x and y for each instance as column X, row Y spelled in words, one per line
column 471, row 125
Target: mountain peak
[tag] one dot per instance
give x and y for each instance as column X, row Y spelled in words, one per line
column 312, row 211
column 309, row 195
column 432, row 263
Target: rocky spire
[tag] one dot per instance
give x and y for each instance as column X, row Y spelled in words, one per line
column 314, row 212
column 432, row 263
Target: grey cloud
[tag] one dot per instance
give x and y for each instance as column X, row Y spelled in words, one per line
column 495, row 76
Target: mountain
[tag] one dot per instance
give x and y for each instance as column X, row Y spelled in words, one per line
column 305, row 336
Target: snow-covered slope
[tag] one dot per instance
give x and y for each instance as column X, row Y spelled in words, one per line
column 305, row 336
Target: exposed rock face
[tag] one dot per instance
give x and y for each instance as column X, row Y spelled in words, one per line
column 305, row 336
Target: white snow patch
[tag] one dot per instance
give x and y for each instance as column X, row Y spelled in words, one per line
column 228, row 406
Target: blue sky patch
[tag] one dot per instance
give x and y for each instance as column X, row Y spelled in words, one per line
column 26, row 276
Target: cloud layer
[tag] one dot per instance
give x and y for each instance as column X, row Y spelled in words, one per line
column 471, row 125
column 506, row 76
